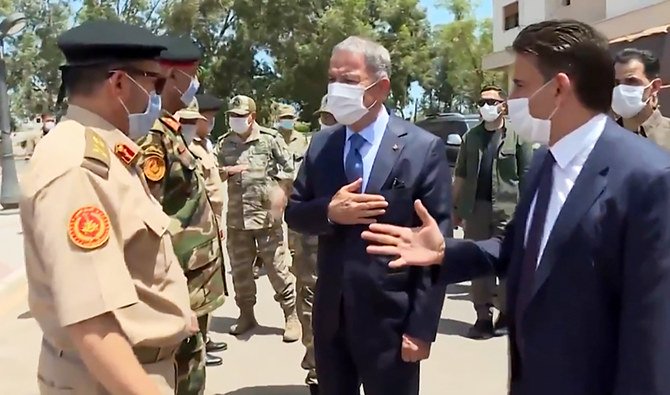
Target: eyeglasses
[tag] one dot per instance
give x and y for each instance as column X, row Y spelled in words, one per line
column 490, row 102
column 159, row 79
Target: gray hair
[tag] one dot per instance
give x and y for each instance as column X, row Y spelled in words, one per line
column 377, row 58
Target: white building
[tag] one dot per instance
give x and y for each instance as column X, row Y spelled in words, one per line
column 619, row 20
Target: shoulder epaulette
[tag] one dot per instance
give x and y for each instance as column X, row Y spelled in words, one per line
column 171, row 123
column 269, row 131
column 96, row 154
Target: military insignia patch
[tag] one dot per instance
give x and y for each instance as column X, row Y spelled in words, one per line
column 89, row 227
column 154, row 168
column 125, row 153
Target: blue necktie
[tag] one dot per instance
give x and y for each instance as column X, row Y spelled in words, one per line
column 533, row 243
column 353, row 164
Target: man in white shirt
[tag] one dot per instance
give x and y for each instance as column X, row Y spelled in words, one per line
column 586, row 255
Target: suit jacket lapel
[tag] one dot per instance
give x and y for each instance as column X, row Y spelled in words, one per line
column 588, row 187
column 390, row 148
column 333, row 152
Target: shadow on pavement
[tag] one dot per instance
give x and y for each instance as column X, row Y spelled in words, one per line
column 451, row 327
column 222, row 325
column 25, row 315
column 271, row 390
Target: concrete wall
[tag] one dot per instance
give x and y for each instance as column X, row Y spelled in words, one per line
column 530, row 11
column 619, row 7
column 584, row 10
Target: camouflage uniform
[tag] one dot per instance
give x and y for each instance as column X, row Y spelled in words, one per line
column 175, row 179
column 485, row 218
column 303, row 252
column 252, row 230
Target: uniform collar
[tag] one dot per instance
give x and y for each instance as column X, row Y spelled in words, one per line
column 122, row 146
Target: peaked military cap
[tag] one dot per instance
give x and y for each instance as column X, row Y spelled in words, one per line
column 101, row 42
column 190, row 112
column 287, row 110
column 208, row 102
column 180, row 49
column 242, row 105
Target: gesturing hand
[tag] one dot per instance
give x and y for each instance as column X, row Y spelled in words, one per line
column 349, row 207
column 413, row 349
column 422, row 246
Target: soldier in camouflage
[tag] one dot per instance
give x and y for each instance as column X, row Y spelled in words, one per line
column 303, row 248
column 195, row 127
column 175, row 179
column 259, row 172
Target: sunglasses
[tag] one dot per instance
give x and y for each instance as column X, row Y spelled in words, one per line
column 159, row 79
column 490, row 102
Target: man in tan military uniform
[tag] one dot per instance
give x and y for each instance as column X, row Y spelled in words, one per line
column 635, row 98
column 104, row 283
column 255, row 161
column 175, row 179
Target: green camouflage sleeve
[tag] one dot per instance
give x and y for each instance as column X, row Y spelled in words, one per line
column 281, row 168
column 219, row 159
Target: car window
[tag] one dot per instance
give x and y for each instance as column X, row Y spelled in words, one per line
column 443, row 127
column 472, row 123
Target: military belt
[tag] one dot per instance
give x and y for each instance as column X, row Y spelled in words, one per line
column 145, row 355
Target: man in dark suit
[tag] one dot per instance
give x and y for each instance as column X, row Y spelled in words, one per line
column 372, row 325
column 587, row 254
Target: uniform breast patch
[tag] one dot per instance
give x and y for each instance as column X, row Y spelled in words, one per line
column 89, row 227
column 154, row 168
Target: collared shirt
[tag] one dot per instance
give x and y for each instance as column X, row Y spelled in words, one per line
column 372, row 134
column 571, row 153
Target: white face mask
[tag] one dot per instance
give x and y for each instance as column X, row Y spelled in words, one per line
column 627, row 100
column 188, row 132
column 239, row 125
column 345, row 102
column 489, row 113
column 529, row 128
column 210, row 126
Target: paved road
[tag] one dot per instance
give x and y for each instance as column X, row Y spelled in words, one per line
column 254, row 365
column 263, row 365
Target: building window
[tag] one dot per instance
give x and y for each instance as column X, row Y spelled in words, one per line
column 511, row 15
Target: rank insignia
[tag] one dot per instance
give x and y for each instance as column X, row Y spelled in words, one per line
column 125, row 153
column 154, row 168
column 89, row 227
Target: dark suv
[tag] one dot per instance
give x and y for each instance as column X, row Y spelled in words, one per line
column 445, row 124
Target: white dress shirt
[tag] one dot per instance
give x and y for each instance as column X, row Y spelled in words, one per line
column 372, row 134
column 570, row 153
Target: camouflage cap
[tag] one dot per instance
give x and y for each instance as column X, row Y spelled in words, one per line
column 287, row 111
column 190, row 112
column 242, row 105
column 324, row 102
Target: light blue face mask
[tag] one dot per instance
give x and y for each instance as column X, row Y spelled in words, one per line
column 139, row 124
column 286, row 124
column 188, row 95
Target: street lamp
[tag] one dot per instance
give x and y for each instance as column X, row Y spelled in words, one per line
column 9, row 188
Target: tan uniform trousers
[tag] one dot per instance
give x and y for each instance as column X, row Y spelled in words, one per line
column 243, row 247
column 62, row 372
column 303, row 250
column 485, row 291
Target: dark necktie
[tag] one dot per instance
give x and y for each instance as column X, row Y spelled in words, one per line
column 534, row 242
column 353, row 164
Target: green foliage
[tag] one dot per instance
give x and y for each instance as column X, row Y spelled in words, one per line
column 270, row 50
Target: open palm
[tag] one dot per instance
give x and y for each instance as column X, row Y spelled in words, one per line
column 421, row 246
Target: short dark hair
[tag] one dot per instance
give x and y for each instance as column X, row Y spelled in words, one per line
column 83, row 80
column 495, row 88
column 576, row 49
column 652, row 66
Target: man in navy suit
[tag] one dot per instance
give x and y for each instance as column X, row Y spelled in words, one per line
column 372, row 324
column 587, row 255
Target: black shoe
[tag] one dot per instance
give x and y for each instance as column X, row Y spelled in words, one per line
column 215, row 346
column 313, row 389
column 500, row 327
column 481, row 330
column 213, row 360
